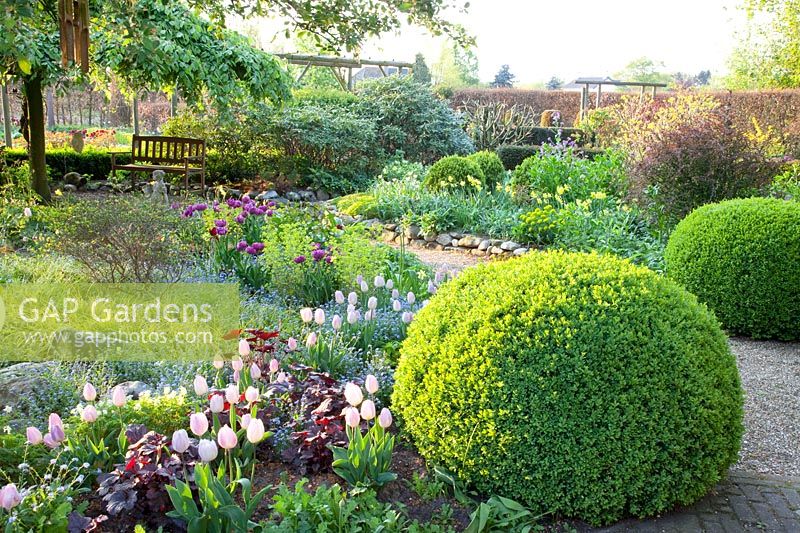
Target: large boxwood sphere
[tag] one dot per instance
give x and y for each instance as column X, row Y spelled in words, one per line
column 575, row 383
column 742, row 258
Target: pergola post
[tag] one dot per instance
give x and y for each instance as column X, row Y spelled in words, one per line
column 597, row 98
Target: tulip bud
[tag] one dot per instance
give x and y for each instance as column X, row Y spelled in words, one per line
column 232, row 394
column 180, row 441
column 371, row 384
column 364, row 287
column 359, row 279
column 251, row 394
column 339, row 296
column 379, row 281
column 89, row 414
column 369, row 315
column 49, row 441
column 33, row 435
column 438, row 277
column 352, row 317
column 411, row 298
column 244, row 348
column 319, row 317
column 389, row 284
column 255, row 431
column 311, row 340
column 336, row 322
column 352, row 298
column 237, row 364
column 56, row 427
column 431, row 287
column 27, row 212
column 218, row 364
column 217, row 403
column 291, row 344
column 198, row 423
column 368, row 410
column 227, row 438
column 306, row 314
column 89, row 393
column 9, row 497
column 395, row 294
column 372, row 303
column 255, row 372
column 353, row 394
column 274, row 365
column 207, row 450
column 352, row 418
column 385, row 418
column 408, row 317
column 118, row 397
column 245, row 420
column 237, row 376
column 200, row 385
column 397, row 306
column 351, row 308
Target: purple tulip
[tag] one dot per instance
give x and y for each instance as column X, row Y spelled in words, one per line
column 240, row 218
column 258, row 246
column 318, row 255
column 241, row 246
column 300, row 259
column 250, row 250
column 270, row 204
column 220, row 223
column 270, row 212
column 222, row 231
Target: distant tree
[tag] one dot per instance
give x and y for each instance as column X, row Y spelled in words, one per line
column 504, row 79
column 681, row 79
column 421, row 73
column 645, row 70
column 703, row 77
column 456, row 67
column 554, row 83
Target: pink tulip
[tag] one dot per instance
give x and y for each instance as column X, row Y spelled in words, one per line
column 397, row 306
column 219, row 364
column 200, row 385
column 311, row 340
column 245, row 420
column 180, row 441
column 352, row 298
column 367, row 410
column 255, row 431
column 49, row 441
column 353, row 394
column 291, row 344
column 237, row 376
column 232, row 394
column 389, row 284
column 118, row 397
column 274, row 366
column 431, row 287
column 411, row 298
column 307, row 314
column 395, row 294
column 371, row 384
column 353, row 317
column 89, row 393
column 227, row 438
column 198, row 423
column 339, row 296
column 255, row 372
column 9, row 497
column 251, row 394
column 319, row 317
column 372, row 303
column 385, row 418
column 237, row 364
column 56, row 427
column 380, row 281
column 217, row 403
column 336, row 322
column 364, row 287
column 33, row 435
column 369, row 315
column 408, row 317
column 352, row 418
column 207, row 450
column 89, row 414
column 244, row 348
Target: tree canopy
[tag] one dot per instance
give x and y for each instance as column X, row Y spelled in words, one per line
column 504, row 79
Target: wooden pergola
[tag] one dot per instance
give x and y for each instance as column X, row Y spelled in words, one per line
column 337, row 64
column 588, row 82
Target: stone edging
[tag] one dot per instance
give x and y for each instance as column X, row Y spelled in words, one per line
column 450, row 241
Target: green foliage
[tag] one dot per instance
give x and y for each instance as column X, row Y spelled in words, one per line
column 529, row 377
column 336, row 97
column 787, row 184
column 410, row 118
column 15, row 451
column 500, row 514
column 92, row 162
column 537, row 225
column 366, row 460
column 455, row 173
column 491, row 166
column 47, row 268
column 421, row 73
column 357, row 204
column 399, row 169
column 513, row 155
column 740, row 257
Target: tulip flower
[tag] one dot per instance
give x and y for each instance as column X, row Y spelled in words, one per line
column 56, row 427
column 180, row 441
column 379, row 281
column 219, row 364
column 255, row 431
column 311, row 340
column 200, row 385
column 226, row 438
column 89, row 393
column 369, row 315
column 198, row 423
column 33, row 435
column 408, row 317
column 385, row 418
column 237, row 364
column 438, row 277
column 255, row 372
column 251, row 394
column 352, row 418
column 9, row 497
column 274, row 366
column 49, row 441
column 336, row 322
column 27, row 212
column 244, row 348
column 245, row 420
column 364, row 287
column 389, row 284
column 371, row 384
column 359, row 279
column 395, row 294
column 306, row 314
column 118, row 397
column 411, row 298
column 339, row 296
column 207, row 450
column 353, row 394
column 352, row 317
column 237, row 376
column 372, row 303
column 319, row 317
column 232, row 394
column 89, row 414
column 431, row 287
column 368, row 410
column 352, row 298
column 217, row 403
column 291, row 344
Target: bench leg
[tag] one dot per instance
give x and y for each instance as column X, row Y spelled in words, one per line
column 186, row 184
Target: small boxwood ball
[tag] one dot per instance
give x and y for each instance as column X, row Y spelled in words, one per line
column 577, row 384
column 742, row 258
column 454, row 173
column 491, row 166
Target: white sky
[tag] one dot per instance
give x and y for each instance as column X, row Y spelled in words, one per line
column 572, row 38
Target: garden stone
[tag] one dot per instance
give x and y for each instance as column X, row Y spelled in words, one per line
column 496, row 250
column 438, row 247
column 430, row 237
column 469, row 241
column 73, row 178
column 478, row 252
column 388, row 235
column 485, row 245
column 509, row 246
column 520, row 251
column 444, row 239
column 22, row 380
column 235, row 193
column 454, row 243
column 497, row 242
column 95, row 185
column 412, row 232
column 293, row 196
column 267, row 195
column 398, row 239
column 456, row 235
column 70, row 188
column 133, row 389
column 323, row 196
column 390, row 227
column 308, row 196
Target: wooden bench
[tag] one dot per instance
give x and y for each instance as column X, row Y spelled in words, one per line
column 174, row 155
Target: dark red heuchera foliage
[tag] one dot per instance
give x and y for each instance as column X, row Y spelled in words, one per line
column 137, row 487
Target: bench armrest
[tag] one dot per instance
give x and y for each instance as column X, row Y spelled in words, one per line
column 194, row 158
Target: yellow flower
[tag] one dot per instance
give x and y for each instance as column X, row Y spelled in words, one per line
column 599, row 195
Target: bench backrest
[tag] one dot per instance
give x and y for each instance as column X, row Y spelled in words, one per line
column 168, row 150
